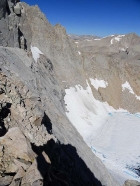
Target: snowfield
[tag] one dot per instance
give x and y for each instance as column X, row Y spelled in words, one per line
column 97, row 39
column 113, row 135
column 79, row 52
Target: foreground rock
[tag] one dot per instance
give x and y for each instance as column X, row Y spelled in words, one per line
column 12, row 142
column 4, row 181
column 16, row 156
column 131, row 183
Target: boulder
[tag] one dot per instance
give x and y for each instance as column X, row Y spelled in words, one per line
column 17, row 8
column 32, row 175
column 13, row 140
column 4, row 181
column 131, row 183
column 37, row 170
column 17, row 178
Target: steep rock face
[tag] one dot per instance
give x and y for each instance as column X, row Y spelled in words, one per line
column 13, row 22
column 55, row 44
column 3, row 8
column 116, row 70
column 32, row 95
column 117, row 65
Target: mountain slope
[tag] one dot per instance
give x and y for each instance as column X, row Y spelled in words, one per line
column 113, row 43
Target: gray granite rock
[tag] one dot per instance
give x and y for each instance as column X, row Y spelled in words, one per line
column 17, row 8
column 131, row 183
column 4, row 181
column 2, row 8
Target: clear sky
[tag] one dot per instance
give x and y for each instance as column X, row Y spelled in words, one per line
column 97, row 17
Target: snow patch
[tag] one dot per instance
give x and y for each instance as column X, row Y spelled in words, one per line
column 122, row 49
column 35, row 53
column 108, row 36
column 116, row 39
column 97, row 39
column 113, row 135
column 79, row 52
column 88, row 40
column 98, row 83
column 126, row 85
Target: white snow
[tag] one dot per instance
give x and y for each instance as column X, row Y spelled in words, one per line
column 112, row 41
column 36, row 53
column 79, row 52
column 98, row 83
column 88, row 40
column 116, row 39
column 97, row 39
column 84, row 109
column 126, row 85
column 108, row 36
column 118, row 143
column 122, row 49
column 113, row 135
column 76, row 42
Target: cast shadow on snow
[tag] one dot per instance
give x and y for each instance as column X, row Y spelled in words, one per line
column 66, row 168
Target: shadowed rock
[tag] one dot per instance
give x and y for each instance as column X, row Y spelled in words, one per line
column 131, row 183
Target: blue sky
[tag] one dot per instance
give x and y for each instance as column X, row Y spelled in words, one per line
column 97, row 17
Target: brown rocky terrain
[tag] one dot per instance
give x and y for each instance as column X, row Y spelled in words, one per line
column 114, row 66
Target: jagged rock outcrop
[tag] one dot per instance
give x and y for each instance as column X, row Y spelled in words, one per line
column 13, row 21
column 21, row 108
column 20, row 162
